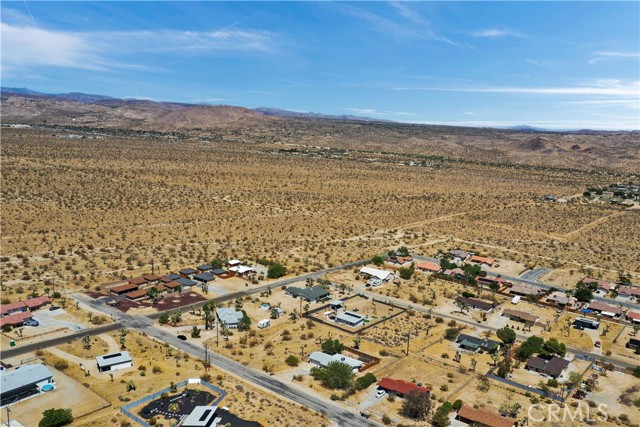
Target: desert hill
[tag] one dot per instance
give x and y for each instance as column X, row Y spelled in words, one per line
column 583, row 150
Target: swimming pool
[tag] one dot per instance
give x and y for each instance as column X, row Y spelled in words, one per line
column 47, row 387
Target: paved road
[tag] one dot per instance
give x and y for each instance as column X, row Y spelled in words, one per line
column 535, row 274
column 535, row 282
column 404, row 304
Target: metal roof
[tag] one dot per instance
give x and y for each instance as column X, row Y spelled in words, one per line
column 23, row 376
column 200, row 416
column 229, row 315
column 324, row 359
column 113, row 359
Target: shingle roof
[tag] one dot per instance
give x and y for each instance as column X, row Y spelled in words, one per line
column 485, row 416
column 552, row 366
column 204, row 277
column 401, row 386
column 520, row 315
column 313, row 293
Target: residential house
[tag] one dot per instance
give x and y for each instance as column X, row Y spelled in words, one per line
column 205, row 277
column 229, row 317
column 336, row 305
column 169, row 278
column 136, row 295
column 471, row 343
column 323, row 359
column 174, row 286
column 382, row 275
column 114, row 361
column 476, row 304
column 12, row 308
column 140, row 281
column 202, row 416
column 204, row 268
column 605, row 309
column 551, row 366
column 482, row 260
column 400, row 387
column 633, row 316
column 524, row 290
column 22, row 382
column 349, row 318
column 520, row 316
column 487, row 280
column 187, row 272
column 400, row 260
column 633, row 344
column 124, row 289
column 459, row 256
column 219, row 271
column 242, row 270
column 234, row 262
column 428, row 267
column 483, row 417
column 603, row 288
column 15, row 319
column 561, row 299
column 456, row 273
column 186, row 283
column 312, row 294
column 628, row 293
column 152, row 279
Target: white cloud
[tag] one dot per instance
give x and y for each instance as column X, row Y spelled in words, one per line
column 611, row 87
column 497, row 33
column 406, row 12
column 374, row 112
column 601, row 56
column 25, row 46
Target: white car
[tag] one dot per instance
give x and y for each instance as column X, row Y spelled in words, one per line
column 380, row 393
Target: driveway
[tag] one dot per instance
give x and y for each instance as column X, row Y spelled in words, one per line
column 535, row 274
column 371, row 399
column 49, row 319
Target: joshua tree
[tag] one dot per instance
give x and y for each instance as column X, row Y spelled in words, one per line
column 86, row 342
column 123, row 338
column 474, row 362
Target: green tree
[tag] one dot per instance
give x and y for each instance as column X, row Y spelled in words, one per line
column 377, row 260
column 407, row 272
column 451, row 333
column 275, row 313
column 86, row 342
column 584, row 294
column 416, row 405
column 163, row 319
column 195, row 332
column 56, row 417
column 531, row 346
column 176, row 317
column 245, row 322
column 507, row 335
column 365, row 381
column 292, row 360
column 336, row 375
column 332, row 347
column 217, row 263
column 276, row 270
column 553, row 346
column 152, row 294
column 636, row 372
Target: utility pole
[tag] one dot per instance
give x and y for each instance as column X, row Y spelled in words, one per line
column 8, row 417
column 408, row 340
column 153, row 267
column 206, row 357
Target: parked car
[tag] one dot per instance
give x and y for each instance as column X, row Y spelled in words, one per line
column 598, row 344
column 182, row 337
column 31, row 322
column 380, row 393
column 54, row 307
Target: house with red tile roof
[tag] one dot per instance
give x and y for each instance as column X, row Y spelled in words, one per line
column 15, row 319
column 605, row 309
column 400, row 387
column 428, row 266
column 14, row 307
column 38, row 302
column 123, row 289
column 482, row 260
column 633, row 316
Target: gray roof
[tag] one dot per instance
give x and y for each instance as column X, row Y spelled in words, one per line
column 349, row 317
column 552, row 366
column 204, row 267
column 323, row 359
column 204, row 277
column 113, row 359
column 24, row 376
column 200, row 416
column 478, row 342
column 186, row 282
column 229, row 315
column 311, row 294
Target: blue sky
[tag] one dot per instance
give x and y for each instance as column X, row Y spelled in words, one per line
column 549, row 64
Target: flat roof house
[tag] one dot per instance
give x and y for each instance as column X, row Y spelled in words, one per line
column 22, row 382
column 633, row 343
column 323, row 359
column 186, row 283
column 349, row 318
column 313, row 294
column 202, row 416
column 400, row 387
column 169, row 278
column 483, row 417
column 204, row 277
column 204, row 268
column 551, row 366
column 187, row 272
column 114, row 361
column 229, row 316
column 242, row 270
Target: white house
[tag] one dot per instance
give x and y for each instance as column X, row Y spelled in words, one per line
column 383, row 275
column 349, row 318
column 242, row 270
column 202, row 416
column 114, row 361
column 323, row 359
column 24, row 381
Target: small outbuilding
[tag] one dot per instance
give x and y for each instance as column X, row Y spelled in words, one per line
column 114, row 361
column 202, row 416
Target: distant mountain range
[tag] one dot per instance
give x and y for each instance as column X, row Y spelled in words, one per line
column 310, row 115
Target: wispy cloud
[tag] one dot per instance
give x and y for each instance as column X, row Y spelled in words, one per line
column 609, row 55
column 612, row 87
column 407, row 12
column 25, row 45
column 374, row 112
column 417, row 29
column 494, row 33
